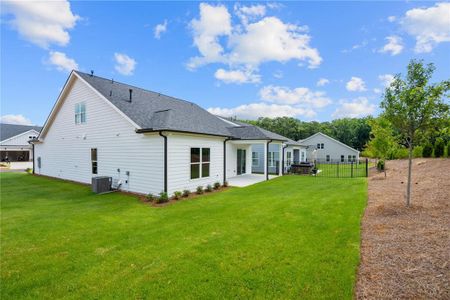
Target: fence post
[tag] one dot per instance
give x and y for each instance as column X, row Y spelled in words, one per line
column 351, row 173
column 337, row 170
column 367, row 167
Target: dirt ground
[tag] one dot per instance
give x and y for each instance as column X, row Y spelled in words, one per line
column 405, row 252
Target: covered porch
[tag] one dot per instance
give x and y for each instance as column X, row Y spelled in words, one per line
column 247, row 179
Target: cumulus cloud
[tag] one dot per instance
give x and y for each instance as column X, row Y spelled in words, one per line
column 15, row 119
column 429, row 26
column 61, row 61
column 237, row 76
column 298, row 96
column 322, row 82
column 256, row 110
column 253, row 41
column 386, row 79
column 42, row 22
column 356, row 84
column 392, row 18
column 125, row 65
column 160, row 29
column 393, row 46
column 356, row 108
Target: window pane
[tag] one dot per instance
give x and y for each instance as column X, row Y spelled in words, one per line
column 82, row 107
column 77, row 108
column 321, row 146
column 83, row 118
column 94, row 154
column 205, row 154
column 77, row 119
column 195, row 171
column 195, row 155
column 94, row 167
column 205, row 170
column 318, row 146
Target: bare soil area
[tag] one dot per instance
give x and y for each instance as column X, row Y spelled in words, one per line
column 405, row 252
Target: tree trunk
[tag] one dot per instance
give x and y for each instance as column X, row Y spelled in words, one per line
column 408, row 188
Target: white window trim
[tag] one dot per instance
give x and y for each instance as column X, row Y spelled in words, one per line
column 257, row 159
column 79, row 114
column 288, row 158
column 199, row 163
column 271, row 159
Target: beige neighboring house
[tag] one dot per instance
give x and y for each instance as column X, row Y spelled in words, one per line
column 14, row 146
column 322, row 147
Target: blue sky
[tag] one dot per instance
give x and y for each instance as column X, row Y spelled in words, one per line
column 309, row 60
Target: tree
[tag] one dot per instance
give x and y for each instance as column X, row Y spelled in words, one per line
column 413, row 105
column 439, row 147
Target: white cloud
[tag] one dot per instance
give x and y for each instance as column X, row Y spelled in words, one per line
column 256, row 110
column 359, row 107
column 61, row 61
column 15, row 119
column 251, row 42
column 386, row 79
column 125, row 65
column 430, row 26
column 322, row 82
column 278, row 74
column 377, row 91
column 237, row 76
column 215, row 21
column 160, row 29
column 392, row 18
column 393, row 46
column 356, row 84
column 297, row 96
column 42, row 22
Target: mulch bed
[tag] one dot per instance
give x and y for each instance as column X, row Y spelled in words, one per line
column 405, row 252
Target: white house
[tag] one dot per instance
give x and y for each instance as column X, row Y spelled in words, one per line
column 148, row 141
column 324, row 148
column 14, row 146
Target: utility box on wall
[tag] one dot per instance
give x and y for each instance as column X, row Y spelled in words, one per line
column 101, row 184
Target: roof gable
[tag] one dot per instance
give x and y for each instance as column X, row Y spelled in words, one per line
column 9, row 131
column 328, row 137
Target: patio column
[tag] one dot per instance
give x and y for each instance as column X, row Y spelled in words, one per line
column 281, row 161
column 266, row 160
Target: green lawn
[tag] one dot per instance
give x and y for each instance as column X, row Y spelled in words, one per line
column 291, row 237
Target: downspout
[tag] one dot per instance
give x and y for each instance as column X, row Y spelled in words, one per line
column 267, row 159
column 32, row 147
column 165, row 160
column 225, row 160
column 282, row 160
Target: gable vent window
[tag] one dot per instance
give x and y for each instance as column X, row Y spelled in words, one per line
column 320, row 146
column 200, row 162
column 80, row 113
column 94, row 160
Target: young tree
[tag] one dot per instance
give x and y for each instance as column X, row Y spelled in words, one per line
column 412, row 105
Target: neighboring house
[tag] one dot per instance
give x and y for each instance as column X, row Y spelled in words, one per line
column 324, row 148
column 14, row 140
column 148, row 141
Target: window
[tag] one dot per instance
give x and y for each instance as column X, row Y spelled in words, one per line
column 328, row 158
column 318, row 146
column 255, row 159
column 354, row 158
column 94, row 160
column 303, row 156
column 80, row 113
column 349, row 158
column 271, row 156
column 321, row 146
column 342, row 158
column 289, row 158
column 200, row 162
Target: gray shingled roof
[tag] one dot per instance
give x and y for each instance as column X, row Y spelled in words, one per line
column 9, row 130
column 153, row 111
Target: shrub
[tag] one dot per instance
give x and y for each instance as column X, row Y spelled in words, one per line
column 186, row 193
column 380, row 165
column 402, row 153
column 448, row 150
column 439, row 148
column 163, row 197
column 225, row 183
column 216, row 185
column 199, row 190
column 427, row 150
column 150, row 197
column 209, row 188
column 177, row 195
column 417, row 151
column 29, row 170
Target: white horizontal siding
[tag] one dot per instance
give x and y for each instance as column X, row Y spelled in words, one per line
column 65, row 151
column 331, row 148
column 20, row 139
column 179, row 159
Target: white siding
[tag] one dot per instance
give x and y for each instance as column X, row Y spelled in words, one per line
column 331, row 147
column 179, row 161
column 65, row 151
column 20, row 139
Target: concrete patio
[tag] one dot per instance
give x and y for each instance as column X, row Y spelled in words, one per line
column 247, row 179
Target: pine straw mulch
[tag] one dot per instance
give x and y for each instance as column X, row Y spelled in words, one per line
column 405, row 252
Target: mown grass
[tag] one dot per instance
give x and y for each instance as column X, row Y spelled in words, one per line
column 291, row 237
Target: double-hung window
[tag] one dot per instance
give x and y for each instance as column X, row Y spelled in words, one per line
column 255, row 159
column 320, row 146
column 80, row 113
column 94, row 160
column 328, row 158
column 288, row 158
column 342, row 158
column 200, row 162
column 271, row 156
column 349, row 158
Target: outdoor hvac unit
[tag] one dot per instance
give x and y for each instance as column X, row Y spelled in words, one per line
column 101, row 184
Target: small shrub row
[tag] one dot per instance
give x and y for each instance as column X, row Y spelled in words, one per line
column 164, row 197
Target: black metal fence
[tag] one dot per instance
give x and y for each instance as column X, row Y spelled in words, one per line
column 341, row 169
